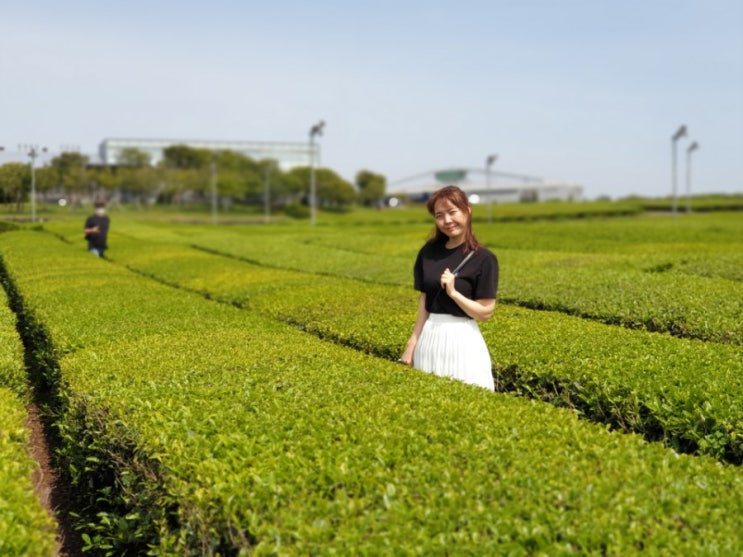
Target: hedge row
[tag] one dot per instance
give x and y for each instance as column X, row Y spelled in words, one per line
column 680, row 285
column 12, row 372
column 195, row 428
column 686, row 393
column 614, row 291
column 717, row 202
column 25, row 527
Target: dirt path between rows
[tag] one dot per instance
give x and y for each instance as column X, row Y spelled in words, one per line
column 52, row 492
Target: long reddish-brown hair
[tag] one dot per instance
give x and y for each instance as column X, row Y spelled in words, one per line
column 459, row 199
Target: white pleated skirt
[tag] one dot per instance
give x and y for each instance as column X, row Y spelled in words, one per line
column 453, row 347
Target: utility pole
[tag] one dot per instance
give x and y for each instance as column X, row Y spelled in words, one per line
column 314, row 130
column 33, row 153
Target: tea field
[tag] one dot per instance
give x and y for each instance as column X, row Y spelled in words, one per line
column 232, row 389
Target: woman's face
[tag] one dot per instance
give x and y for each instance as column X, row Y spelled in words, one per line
column 451, row 220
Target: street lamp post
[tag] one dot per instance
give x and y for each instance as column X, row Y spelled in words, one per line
column 488, row 163
column 681, row 132
column 33, row 153
column 693, row 147
column 314, row 130
column 213, row 184
column 267, row 194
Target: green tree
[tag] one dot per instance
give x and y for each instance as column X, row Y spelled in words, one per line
column 330, row 189
column 134, row 158
column 274, row 182
column 183, row 157
column 15, row 184
column 287, row 186
column 135, row 175
column 334, row 191
column 104, row 178
column 239, row 176
column 185, row 173
column 69, row 170
column 180, row 185
column 139, row 182
column 371, row 187
column 65, row 162
column 45, row 178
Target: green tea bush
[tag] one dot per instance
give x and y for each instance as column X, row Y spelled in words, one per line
column 652, row 275
column 25, row 527
column 195, row 428
column 625, row 236
column 681, row 276
column 683, row 392
column 12, row 372
column 608, row 289
column 704, row 203
column 686, row 393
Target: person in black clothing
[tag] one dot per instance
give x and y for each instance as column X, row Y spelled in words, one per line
column 96, row 230
column 458, row 280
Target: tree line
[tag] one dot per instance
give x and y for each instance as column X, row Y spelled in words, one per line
column 185, row 175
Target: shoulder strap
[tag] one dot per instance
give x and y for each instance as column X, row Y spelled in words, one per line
column 455, row 272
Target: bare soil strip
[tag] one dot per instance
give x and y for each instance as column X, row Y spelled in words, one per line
column 50, row 489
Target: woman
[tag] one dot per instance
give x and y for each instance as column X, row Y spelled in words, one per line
column 446, row 339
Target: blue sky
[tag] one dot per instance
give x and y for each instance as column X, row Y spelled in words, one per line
column 587, row 91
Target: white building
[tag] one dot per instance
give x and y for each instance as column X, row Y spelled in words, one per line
column 287, row 154
column 499, row 187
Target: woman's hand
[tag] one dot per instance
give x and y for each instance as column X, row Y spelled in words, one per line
column 407, row 355
column 447, row 282
column 409, row 352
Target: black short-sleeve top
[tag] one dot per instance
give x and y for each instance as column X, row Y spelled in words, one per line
column 477, row 280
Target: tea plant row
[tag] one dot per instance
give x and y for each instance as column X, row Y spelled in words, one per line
column 25, row 527
column 683, row 392
column 688, row 285
column 193, row 427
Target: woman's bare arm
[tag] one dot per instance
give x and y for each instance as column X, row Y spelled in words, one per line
column 407, row 355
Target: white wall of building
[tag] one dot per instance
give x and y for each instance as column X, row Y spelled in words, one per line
column 288, row 154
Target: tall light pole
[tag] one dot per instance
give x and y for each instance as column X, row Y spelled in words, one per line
column 33, row 153
column 693, row 147
column 267, row 193
column 488, row 163
column 213, row 184
column 314, row 130
column 681, row 132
